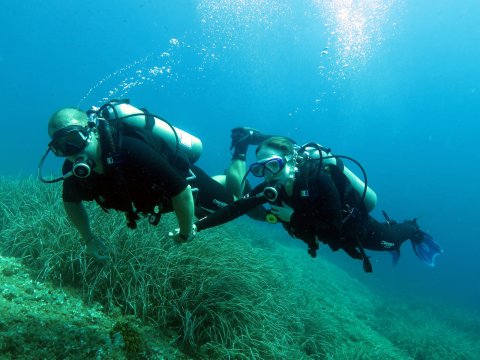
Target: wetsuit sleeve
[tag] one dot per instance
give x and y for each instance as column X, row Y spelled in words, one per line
column 232, row 211
column 154, row 164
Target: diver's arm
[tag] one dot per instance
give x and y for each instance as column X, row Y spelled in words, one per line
column 78, row 215
column 230, row 212
column 183, row 206
column 172, row 181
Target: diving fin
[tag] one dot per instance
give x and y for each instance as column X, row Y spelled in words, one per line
column 395, row 256
column 426, row 248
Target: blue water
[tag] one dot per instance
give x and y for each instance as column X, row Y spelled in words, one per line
column 394, row 84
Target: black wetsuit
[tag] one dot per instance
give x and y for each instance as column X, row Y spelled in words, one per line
column 147, row 179
column 327, row 209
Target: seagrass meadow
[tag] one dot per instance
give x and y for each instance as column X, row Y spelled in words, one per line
column 231, row 293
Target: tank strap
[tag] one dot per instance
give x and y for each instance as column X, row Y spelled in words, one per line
column 149, row 119
column 340, row 164
column 111, row 160
column 109, row 112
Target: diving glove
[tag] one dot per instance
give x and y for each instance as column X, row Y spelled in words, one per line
column 246, row 136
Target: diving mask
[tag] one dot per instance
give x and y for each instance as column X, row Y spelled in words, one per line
column 69, row 141
column 273, row 164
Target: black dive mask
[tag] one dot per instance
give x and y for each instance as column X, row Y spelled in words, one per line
column 273, row 164
column 69, row 141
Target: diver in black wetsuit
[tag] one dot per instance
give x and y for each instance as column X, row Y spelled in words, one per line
column 127, row 159
column 318, row 200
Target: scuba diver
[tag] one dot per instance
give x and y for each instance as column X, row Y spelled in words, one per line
column 129, row 160
column 319, row 200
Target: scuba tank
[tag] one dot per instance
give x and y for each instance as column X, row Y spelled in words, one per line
column 315, row 151
column 120, row 115
column 176, row 139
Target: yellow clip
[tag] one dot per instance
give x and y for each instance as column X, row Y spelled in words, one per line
column 272, row 219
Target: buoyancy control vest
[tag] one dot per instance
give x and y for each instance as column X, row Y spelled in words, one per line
column 355, row 196
column 313, row 151
column 120, row 118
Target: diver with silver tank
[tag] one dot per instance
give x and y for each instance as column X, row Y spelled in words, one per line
column 132, row 161
column 318, row 200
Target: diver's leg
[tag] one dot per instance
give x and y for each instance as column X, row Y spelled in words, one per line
column 212, row 194
column 391, row 235
column 234, row 177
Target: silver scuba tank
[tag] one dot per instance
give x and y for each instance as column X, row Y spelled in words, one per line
column 132, row 116
column 370, row 199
